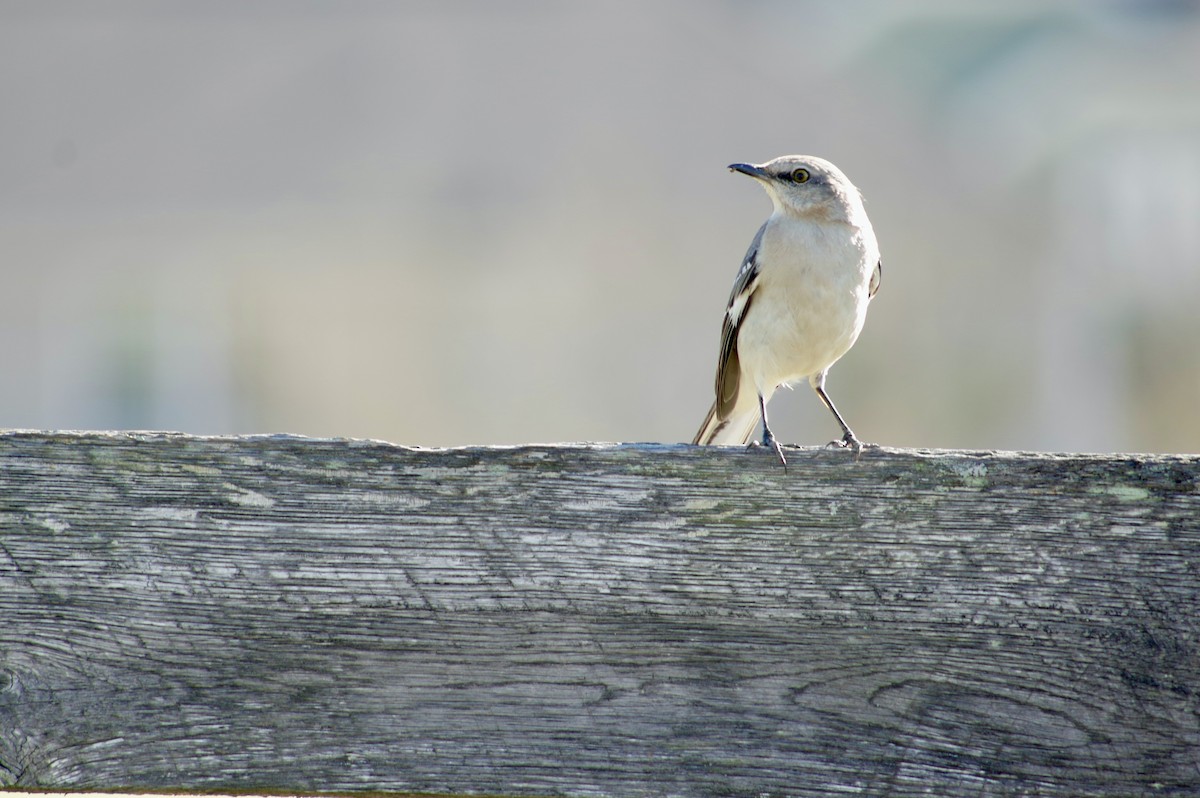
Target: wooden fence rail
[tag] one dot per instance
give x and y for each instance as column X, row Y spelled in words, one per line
column 280, row 613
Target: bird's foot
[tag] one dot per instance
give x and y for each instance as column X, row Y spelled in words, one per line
column 769, row 442
column 850, row 441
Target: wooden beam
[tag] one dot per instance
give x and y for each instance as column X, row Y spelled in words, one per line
column 280, row 613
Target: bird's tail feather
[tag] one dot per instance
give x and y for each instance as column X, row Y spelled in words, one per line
column 732, row 430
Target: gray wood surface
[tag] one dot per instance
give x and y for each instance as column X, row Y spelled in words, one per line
column 279, row 613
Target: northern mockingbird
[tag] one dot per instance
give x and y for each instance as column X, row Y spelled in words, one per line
column 799, row 300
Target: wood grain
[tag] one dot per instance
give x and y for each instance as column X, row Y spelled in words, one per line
column 280, row 613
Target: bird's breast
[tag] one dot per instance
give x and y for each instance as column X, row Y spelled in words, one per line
column 811, row 301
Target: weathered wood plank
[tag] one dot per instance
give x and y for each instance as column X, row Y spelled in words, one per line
column 294, row 614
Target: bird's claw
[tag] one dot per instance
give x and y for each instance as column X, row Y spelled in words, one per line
column 850, row 441
column 773, row 445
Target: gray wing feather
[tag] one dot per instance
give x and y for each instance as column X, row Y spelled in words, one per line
column 728, row 366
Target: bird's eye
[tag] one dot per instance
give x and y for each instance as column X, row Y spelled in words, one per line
column 800, row 175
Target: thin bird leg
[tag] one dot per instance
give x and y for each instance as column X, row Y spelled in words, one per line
column 849, row 439
column 768, row 438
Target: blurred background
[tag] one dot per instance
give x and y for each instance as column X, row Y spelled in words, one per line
column 446, row 223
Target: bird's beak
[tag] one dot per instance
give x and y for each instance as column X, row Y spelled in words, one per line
column 749, row 169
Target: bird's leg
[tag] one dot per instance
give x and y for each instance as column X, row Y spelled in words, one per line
column 849, row 440
column 768, row 438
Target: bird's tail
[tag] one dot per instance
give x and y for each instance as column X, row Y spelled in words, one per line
column 733, row 430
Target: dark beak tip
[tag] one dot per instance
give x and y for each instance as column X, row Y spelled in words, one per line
column 745, row 168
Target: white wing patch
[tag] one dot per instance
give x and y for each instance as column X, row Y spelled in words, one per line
column 743, row 286
column 737, row 304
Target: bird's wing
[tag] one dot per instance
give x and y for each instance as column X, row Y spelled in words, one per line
column 876, row 279
column 728, row 367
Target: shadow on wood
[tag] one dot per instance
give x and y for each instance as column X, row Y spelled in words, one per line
column 292, row 614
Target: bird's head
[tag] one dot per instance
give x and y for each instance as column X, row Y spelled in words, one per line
column 804, row 185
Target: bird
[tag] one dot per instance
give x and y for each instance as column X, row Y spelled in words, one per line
column 799, row 300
